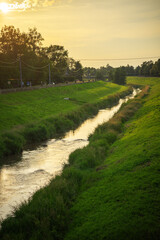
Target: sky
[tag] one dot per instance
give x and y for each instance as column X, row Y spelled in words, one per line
column 94, row 32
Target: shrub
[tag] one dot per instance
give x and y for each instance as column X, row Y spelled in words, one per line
column 36, row 133
column 50, row 126
column 62, row 124
column 12, row 143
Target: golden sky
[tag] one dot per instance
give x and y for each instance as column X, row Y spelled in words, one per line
column 90, row 29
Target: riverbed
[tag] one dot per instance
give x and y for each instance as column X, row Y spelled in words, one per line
column 35, row 168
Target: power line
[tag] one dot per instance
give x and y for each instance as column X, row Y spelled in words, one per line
column 115, row 59
column 34, row 70
column 9, row 62
column 8, row 66
column 33, row 67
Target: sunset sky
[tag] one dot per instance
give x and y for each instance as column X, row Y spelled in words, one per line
column 90, row 29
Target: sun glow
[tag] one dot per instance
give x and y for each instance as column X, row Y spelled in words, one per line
column 4, row 7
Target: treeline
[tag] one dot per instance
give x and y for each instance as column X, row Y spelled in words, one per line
column 116, row 75
column 24, row 61
column 147, row 68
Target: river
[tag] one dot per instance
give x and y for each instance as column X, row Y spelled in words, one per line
column 35, row 168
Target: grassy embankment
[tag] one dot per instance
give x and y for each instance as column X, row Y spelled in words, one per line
column 109, row 189
column 33, row 116
column 123, row 198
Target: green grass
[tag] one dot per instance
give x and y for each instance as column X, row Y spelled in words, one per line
column 34, row 116
column 143, row 80
column 109, row 189
column 25, row 107
column 122, row 201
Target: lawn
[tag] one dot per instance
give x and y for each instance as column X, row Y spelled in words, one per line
column 25, row 107
column 143, row 80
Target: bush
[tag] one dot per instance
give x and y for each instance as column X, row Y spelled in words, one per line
column 62, row 124
column 88, row 157
column 35, row 133
column 73, row 174
column 108, row 136
column 50, row 126
column 12, row 143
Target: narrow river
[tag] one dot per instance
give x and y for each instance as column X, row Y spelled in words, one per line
column 35, row 168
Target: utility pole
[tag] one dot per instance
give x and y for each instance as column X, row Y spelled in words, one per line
column 49, row 73
column 20, row 71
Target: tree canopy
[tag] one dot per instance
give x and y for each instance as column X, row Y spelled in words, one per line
column 118, row 75
column 27, row 49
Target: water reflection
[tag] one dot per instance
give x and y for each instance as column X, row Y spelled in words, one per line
column 19, row 180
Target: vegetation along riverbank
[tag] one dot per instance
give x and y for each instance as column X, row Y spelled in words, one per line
column 34, row 116
column 109, row 189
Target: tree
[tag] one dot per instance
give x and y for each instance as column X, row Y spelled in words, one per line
column 111, row 75
column 90, row 72
column 78, row 71
column 129, row 70
column 119, row 76
column 13, row 43
column 108, row 70
column 34, row 40
column 100, row 75
column 58, row 58
column 57, row 55
column 155, row 70
column 74, row 71
column 17, row 46
column 137, row 70
column 146, row 68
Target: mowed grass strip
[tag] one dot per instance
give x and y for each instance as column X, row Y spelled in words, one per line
column 143, row 80
column 26, row 107
column 123, row 198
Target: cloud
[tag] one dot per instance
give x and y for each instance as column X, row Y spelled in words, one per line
column 34, row 4
column 42, row 3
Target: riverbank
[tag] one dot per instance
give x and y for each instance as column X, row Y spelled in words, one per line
column 31, row 117
column 120, row 199
column 35, row 168
column 98, row 197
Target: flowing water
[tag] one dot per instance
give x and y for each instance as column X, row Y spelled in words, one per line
column 35, row 168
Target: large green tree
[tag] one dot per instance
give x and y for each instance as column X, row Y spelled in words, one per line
column 13, row 43
column 118, row 76
column 58, row 58
column 26, row 50
column 146, row 68
column 155, row 70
